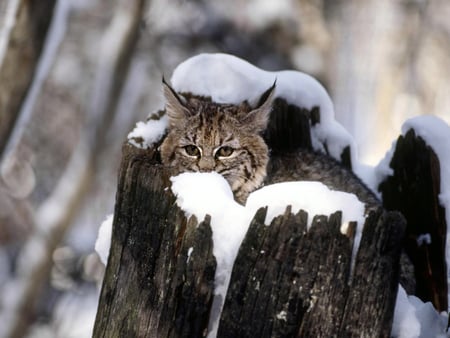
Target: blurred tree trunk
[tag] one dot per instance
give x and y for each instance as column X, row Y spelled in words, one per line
column 24, row 32
column 386, row 61
column 56, row 214
column 362, row 34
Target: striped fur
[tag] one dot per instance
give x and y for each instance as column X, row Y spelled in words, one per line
column 206, row 136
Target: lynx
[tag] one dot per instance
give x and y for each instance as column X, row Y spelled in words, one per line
column 207, row 136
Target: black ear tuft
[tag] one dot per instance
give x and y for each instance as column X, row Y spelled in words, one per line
column 175, row 108
column 258, row 118
column 270, row 91
column 173, row 92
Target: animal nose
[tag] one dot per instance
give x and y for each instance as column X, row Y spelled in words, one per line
column 206, row 163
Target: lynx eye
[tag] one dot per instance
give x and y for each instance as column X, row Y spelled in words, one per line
column 192, row 150
column 224, row 151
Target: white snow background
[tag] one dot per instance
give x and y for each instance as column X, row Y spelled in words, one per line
column 241, row 81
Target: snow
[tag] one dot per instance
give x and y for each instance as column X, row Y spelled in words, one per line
column 423, row 239
column 189, row 253
column 200, row 194
column 416, row 319
column 383, row 169
column 282, row 315
column 103, row 242
column 406, row 323
column 75, row 313
column 368, row 175
column 229, row 79
column 412, row 317
column 73, row 316
column 263, row 13
column 319, row 200
column 315, row 197
column 145, row 134
column 436, row 134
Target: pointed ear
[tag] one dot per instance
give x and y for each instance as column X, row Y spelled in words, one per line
column 175, row 108
column 258, row 118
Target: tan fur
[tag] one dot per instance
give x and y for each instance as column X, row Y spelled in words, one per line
column 215, row 129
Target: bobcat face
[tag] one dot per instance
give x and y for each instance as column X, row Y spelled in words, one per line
column 206, row 136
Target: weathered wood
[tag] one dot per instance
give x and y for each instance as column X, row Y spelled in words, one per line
column 286, row 281
column 289, row 130
column 152, row 287
column 370, row 305
column 414, row 189
column 282, row 277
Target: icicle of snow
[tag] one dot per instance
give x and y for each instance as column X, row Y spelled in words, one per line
column 103, row 242
column 189, row 253
column 209, row 193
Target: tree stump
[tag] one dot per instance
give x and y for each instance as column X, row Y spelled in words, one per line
column 286, row 281
column 150, row 287
column 289, row 130
column 414, row 190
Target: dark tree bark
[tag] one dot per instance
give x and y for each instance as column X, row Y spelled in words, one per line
column 22, row 53
column 113, row 65
column 286, row 281
column 414, row 190
column 151, row 288
column 291, row 283
column 289, row 130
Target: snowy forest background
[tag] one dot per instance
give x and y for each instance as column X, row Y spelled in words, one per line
column 382, row 62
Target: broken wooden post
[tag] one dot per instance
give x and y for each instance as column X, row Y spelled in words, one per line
column 150, row 288
column 414, row 189
column 289, row 282
column 286, row 281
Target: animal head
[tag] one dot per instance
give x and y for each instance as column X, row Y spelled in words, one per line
column 207, row 136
